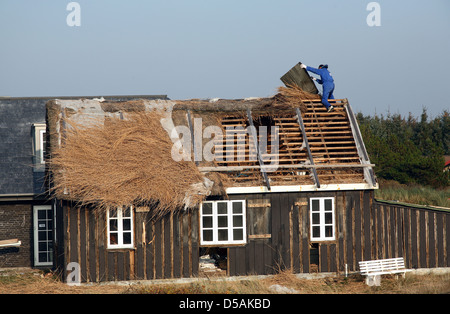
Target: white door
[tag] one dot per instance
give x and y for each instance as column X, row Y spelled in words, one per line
column 43, row 235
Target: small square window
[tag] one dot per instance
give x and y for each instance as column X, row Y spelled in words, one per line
column 322, row 219
column 120, row 228
column 222, row 223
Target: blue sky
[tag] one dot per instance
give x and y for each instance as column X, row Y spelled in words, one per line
column 228, row 49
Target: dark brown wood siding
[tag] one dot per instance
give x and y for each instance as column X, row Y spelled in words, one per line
column 365, row 229
column 166, row 248
column 420, row 235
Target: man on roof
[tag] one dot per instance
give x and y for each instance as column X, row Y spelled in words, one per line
column 327, row 82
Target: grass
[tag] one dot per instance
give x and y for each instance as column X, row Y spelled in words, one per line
column 41, row 283
column 414, row 194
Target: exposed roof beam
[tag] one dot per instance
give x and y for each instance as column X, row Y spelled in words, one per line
column 255, row 142
column 369, row 175
column 308, row 149
column 298, row 166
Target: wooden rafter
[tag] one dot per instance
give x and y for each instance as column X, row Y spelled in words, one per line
column 255, row 142
column 305, row 138
column 331, row 143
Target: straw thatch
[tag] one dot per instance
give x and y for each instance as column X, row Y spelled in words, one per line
column 294, row 97
column 123, row 156
column 124, row 162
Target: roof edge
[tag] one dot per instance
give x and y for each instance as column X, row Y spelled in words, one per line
column 300, row 188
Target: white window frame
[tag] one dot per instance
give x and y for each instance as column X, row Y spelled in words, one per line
column 120, row 230
column 322, row 221
column 41, row 146
column 230, row 227
column 39, row 130
column 36, row 231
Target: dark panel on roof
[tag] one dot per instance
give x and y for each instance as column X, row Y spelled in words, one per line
column 301, row 78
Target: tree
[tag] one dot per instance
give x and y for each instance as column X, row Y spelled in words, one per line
column 407, row 150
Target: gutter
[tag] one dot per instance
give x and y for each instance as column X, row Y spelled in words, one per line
column 17, row 197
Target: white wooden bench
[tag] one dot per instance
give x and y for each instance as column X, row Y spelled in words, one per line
column 374, row 269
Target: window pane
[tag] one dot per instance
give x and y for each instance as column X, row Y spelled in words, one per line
column 42, row 235
column 113, row 225
column 113, row 238
column 127, row 238
column 207, row 235
column 238, row 234
column 207, row 222
column 42, row 246
column 41, row 214
column 316, row 232
column 222, row 221
column 126, row 212
column 328, row 231
column 127, row 224
column 43, row 257
column 237, row 207
column 315, row 205
column 223, row 235
column 328, row 205
column 316, row 218
column 207, row 209
column 222, row 208
column 328, row 218
column 237, row 221
column 112, row 213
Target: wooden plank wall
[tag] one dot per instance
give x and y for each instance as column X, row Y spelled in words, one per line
column 166, row 248
column 169, row 248
column 421, row 236
column 365, row 230
column 289, row 246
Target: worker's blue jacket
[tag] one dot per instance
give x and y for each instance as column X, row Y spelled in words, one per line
column 327, row 83
column 325, row 76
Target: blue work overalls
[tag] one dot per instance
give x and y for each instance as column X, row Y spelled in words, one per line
column 327, row 83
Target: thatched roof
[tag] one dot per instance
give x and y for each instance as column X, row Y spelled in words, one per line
column 116, row 153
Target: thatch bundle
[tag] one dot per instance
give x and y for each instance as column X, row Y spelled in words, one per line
column 294, row 96
column 123, row 162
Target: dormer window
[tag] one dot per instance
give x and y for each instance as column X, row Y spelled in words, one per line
column 39, row 144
